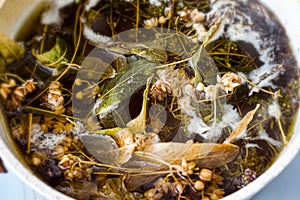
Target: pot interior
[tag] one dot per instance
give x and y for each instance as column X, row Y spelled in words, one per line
column 15, row 23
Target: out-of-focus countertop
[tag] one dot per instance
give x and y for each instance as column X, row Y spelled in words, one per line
column 284, row 187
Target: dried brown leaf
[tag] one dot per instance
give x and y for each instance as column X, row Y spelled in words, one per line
column 204, row 154
column 242, row 125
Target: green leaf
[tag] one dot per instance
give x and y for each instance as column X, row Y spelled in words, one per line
column 9, row 49
column 54, row 56
column 129, row 80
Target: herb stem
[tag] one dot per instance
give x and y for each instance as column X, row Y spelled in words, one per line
column 29, row 132
column 137, row 20
column 50, row 112
column 43, row 39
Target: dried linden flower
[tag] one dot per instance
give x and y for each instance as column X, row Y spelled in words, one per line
column 150, row 23
column 229, row 81
column 205, row 174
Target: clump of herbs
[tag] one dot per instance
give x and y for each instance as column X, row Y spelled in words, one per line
column 169, row 84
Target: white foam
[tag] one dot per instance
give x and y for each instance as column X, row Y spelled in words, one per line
column 251, row 145
column 94, row 37
column 52, row 15
column 91, row 4
column 263, row 135
column 242, row 31
column 156, row 3
column 43, row 140
column 196, row 124
column 274, row 109
column 231, row 118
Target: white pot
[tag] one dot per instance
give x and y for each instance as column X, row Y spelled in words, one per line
column 14, row 16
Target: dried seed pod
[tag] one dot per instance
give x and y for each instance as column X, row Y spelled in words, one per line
column 229, row 81
column 162, row 20
column 37, row 158
column 150, row 23
column 214, row 196
column 29, row 86
column 177, row 188
column 64, row 163
column 19, row 93
column 36, row 161
column 4, row 91
column 205, row 175
column 199, row 185
column 160, row 89
column 53, row 99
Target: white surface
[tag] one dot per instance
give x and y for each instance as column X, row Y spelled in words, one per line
column 284, row 187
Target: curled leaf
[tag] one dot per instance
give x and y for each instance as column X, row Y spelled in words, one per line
column 138, row 125
column 110, row 146
column 54, row 56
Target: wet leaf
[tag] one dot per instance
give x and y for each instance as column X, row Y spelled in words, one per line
column 123, row 137
column 96, row 68
column 151, row 52
column 129, row 80
column 135, row 181
column 110, row 146
column 54, row 56
column 102, row 147
column 204, row 67
column 204, row 154
column 9, row 49
column 124, row 43
column 77, row 189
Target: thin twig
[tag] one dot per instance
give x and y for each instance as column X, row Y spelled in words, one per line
column 50, row 112
column 137, row 19
column 43, row 39
column 256, row 86
column 29, row 132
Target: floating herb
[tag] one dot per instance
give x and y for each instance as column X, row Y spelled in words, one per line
column 129, row 79
column 55, row 56
column 151, row 113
